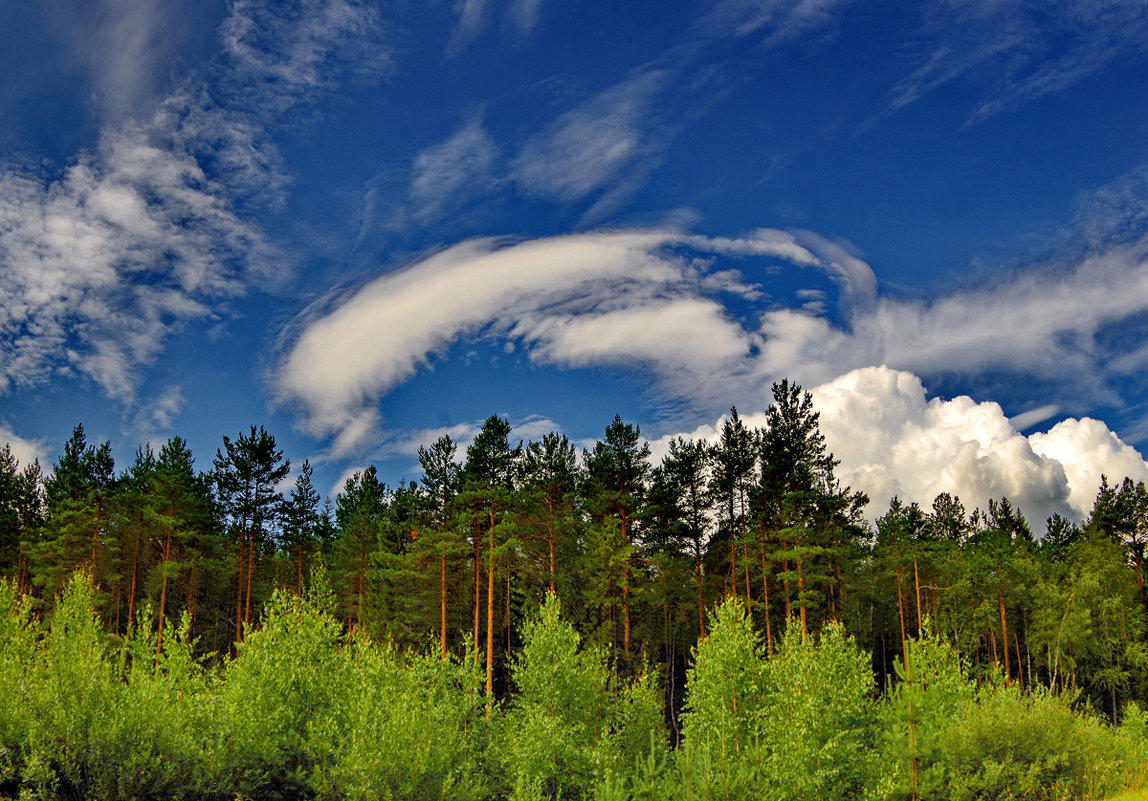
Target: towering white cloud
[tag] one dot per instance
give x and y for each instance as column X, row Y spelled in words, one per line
column 892, row 441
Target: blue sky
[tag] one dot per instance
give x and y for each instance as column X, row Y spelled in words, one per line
column 366, row 225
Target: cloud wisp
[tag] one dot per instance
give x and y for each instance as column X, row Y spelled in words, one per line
column 1023, row 51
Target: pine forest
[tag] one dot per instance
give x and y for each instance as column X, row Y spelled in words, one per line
column 536, row 620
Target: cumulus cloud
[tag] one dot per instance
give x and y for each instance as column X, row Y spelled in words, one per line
column 1087, row 448
column 892, row 441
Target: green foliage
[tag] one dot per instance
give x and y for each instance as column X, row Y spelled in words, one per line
column 18, row 672
column 406, row 727
column 567, row 725
column 289, row 673
column 931, row 693
column 726, row 685
column 1015, row 745
column 818, row 730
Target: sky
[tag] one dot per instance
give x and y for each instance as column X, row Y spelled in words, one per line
column 364, row 225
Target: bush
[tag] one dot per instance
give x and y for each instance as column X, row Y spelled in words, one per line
column 1011, row 745
column 407, row 727
column 568, row 727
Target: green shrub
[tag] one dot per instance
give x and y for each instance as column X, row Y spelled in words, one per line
column 406, row 727
column 289, row 673
column 568, row 726
column 18, row 675
column 1012, row 745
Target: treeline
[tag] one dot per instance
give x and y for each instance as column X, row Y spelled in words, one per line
column 636, row 553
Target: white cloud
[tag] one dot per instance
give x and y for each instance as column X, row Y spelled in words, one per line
column 447, row 172
column 636, row 298
column 26, row 451
column 778, row 20
column 1033, row 417
column 587, row 147
column 1087, row 449
column 102, row 261
column 282, row 53
column 683, row 341
column 522, row 16
column 342, row 362
column 1042, row 322
column 891, row 441
column 155, row 417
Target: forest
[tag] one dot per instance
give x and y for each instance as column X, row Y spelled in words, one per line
column 529, row 620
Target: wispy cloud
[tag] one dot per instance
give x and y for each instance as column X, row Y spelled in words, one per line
column 101, row 262
column 587, row 147
column 777, row 20
column 628, row 298
column 522, row 16
column 473, row 18
column 279, row 55
column 458, row 168
column 1016, row 51
column 154, row 419
column 572, row 299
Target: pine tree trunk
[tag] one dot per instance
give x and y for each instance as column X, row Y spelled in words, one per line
column 239, row 586
column 250, row 579
column 901, row 614
column 163, row 593
column 801, row 600
column 135, row 573
column 625, row 593
column 745, row 558
column 490, row 625
column 1004, row 635
column 477, row 592
column 700, row 600
column 442, row 602
column 917, row 586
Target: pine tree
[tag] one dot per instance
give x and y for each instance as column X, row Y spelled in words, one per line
column 79, row 518
column 247, row 473
column 301, row 523
column 360, row 512
column 812, row 518
column 618, row 471
column 487, row 482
